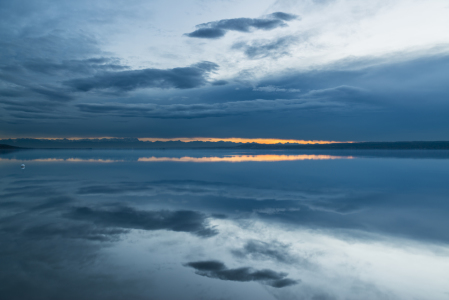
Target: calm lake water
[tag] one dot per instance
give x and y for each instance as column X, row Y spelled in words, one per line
column 216, row 224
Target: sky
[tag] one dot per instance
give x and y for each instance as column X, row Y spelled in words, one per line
column 332, row 70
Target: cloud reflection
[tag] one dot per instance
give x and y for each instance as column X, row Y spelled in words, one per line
column 127, row 217
column 217, row 269
column 345, row 229
column 63, row 160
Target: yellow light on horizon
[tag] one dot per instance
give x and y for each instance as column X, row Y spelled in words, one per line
column 243, row 158
column 239, row 140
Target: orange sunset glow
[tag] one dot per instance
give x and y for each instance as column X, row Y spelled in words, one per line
column 237, row 140
column 243, row 158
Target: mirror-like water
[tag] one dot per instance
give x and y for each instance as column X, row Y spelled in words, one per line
column 191, row 224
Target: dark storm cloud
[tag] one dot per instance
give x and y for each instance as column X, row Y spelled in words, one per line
column 217, row 29
column 263, row 48
column 178, row 111
column 216, row 269
column 126, row 217
column 180, row 78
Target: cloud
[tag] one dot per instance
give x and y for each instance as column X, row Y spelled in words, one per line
column 219, row 82
column 84, row 66
column 180, row 78
column 216, row 269
column 265, row 251
column 69, row 230
column 50, row 93
column 284, row 16
column 53, row 203
column 188, row 111
column 217, row 29
column 275, row 210
column 312, row 100
column 34, row 191
column 33, row 52
column 266, row 48
column 114, row 189
column 126, row 217
column 272, row 88
column 23, row 87
column 207, row 33
column 207, row 189
column 343, row 91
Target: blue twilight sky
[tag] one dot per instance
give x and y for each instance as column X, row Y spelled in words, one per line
column 295, row 69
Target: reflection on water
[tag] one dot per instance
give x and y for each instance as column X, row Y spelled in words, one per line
column 304, row 226
column 230, row 158
column 62, row 159
column 243, row 158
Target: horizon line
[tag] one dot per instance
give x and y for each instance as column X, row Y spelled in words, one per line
column 266, row 141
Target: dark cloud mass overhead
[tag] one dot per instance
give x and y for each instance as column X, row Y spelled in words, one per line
column 181, row 78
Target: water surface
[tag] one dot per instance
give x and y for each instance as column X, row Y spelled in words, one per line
column 221, row 224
